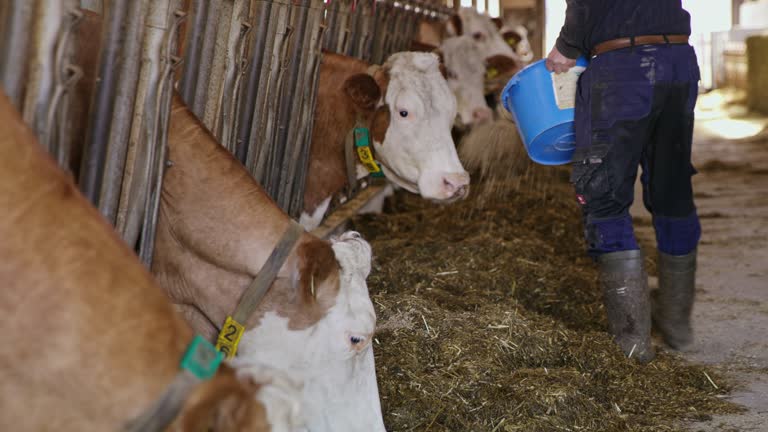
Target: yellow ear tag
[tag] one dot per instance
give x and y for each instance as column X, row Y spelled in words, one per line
column 364, row 152
column 229, row 337
column 492, row 73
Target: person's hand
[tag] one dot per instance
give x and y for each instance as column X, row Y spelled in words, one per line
column 559, row 63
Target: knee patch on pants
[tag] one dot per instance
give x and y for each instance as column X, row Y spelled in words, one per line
column 608, row 235
column 677, row 236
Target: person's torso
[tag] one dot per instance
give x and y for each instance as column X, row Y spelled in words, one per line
column 613, row 19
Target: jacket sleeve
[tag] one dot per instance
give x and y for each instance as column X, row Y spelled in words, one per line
column 572, row 41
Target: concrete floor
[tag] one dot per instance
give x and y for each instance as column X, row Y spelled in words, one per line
column 730, row 317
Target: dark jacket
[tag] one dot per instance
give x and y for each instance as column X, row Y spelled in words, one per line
column 589, row 22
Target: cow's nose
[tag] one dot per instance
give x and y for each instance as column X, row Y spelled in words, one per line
column 481, row 115
column 456, row 185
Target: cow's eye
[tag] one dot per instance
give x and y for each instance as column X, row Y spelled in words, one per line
column 478, row 36
column 403, row 113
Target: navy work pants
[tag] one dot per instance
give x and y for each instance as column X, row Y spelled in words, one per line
column 634, row 108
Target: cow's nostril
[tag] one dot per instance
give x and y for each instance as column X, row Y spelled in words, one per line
column 481, row 115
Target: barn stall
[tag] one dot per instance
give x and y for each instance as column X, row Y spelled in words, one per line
column 489, row 318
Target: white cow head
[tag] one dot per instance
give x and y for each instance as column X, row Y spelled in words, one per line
column 411, row 125
column 333, row 356
column 465, row 73
column 485, row 33
column 417, row 149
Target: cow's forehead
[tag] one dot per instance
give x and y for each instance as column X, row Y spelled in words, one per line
column 418, row 75
column 353, row 254
column 473, row 22
column 462, row 56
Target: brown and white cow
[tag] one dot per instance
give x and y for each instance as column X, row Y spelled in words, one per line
column 216, row 229
column 409, row 109
column 90, row 342
column 476, row 61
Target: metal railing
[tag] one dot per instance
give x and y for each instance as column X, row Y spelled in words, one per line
column 250, row 74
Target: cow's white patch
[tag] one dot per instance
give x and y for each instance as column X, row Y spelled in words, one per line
column 376, row 205
column 280, row 394
column 418, row 152
column 466, row 79
column 310, row 222
column 340, row 393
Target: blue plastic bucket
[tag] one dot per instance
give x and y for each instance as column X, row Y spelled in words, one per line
column 546, row 128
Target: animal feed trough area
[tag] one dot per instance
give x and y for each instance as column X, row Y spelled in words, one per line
column 490, row 318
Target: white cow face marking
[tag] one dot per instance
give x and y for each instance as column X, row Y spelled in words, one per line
column 333, row 357
column 485, row 34
column 466, row 79
column 417, row 150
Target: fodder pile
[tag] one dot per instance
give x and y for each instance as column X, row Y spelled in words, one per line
column 490, row 320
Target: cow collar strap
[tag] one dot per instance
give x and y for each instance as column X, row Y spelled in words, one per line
column 234, row 326
column 199, row 363
column 358, row 148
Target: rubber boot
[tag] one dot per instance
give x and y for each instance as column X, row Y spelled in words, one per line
column 627, row 301
column 673, row 301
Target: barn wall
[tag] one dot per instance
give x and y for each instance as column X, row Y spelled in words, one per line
column 94, row 5
column 757, row 74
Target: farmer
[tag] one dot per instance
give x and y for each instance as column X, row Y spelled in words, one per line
column 634, row 107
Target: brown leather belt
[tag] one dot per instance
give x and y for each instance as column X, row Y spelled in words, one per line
column 615, row 44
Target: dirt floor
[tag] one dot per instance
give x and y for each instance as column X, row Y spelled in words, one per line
column 731, row 313
column 490, row 318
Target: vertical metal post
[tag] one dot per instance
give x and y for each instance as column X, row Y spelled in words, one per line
column 268, row 98
column 111, row 111
column 261, row 38
column 51, row 19
column 205, row 59
column 283, row 149
column 13, row 48
column 159, row 139
column 297, row 146
column 198, row 15
column 233, row 28
column 332, row 24
column 145, row 129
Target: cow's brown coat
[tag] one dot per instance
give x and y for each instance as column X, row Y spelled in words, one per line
column 344, row 93
column 216, row 229
column 89, row 340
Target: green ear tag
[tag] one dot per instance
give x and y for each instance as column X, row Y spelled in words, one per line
column 201, row 358
column 362, row 144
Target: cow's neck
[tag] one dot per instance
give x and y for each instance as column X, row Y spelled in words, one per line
column 216, row 227
column 334, row 118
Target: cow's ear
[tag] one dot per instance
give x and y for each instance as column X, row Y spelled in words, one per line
column 317, row 273
column 454, row 26
column 380, row 124
column 224, row 403
column 362, row 90
column 441, row 65
column 503, row 65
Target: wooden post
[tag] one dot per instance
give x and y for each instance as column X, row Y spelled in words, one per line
column 539, row 50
